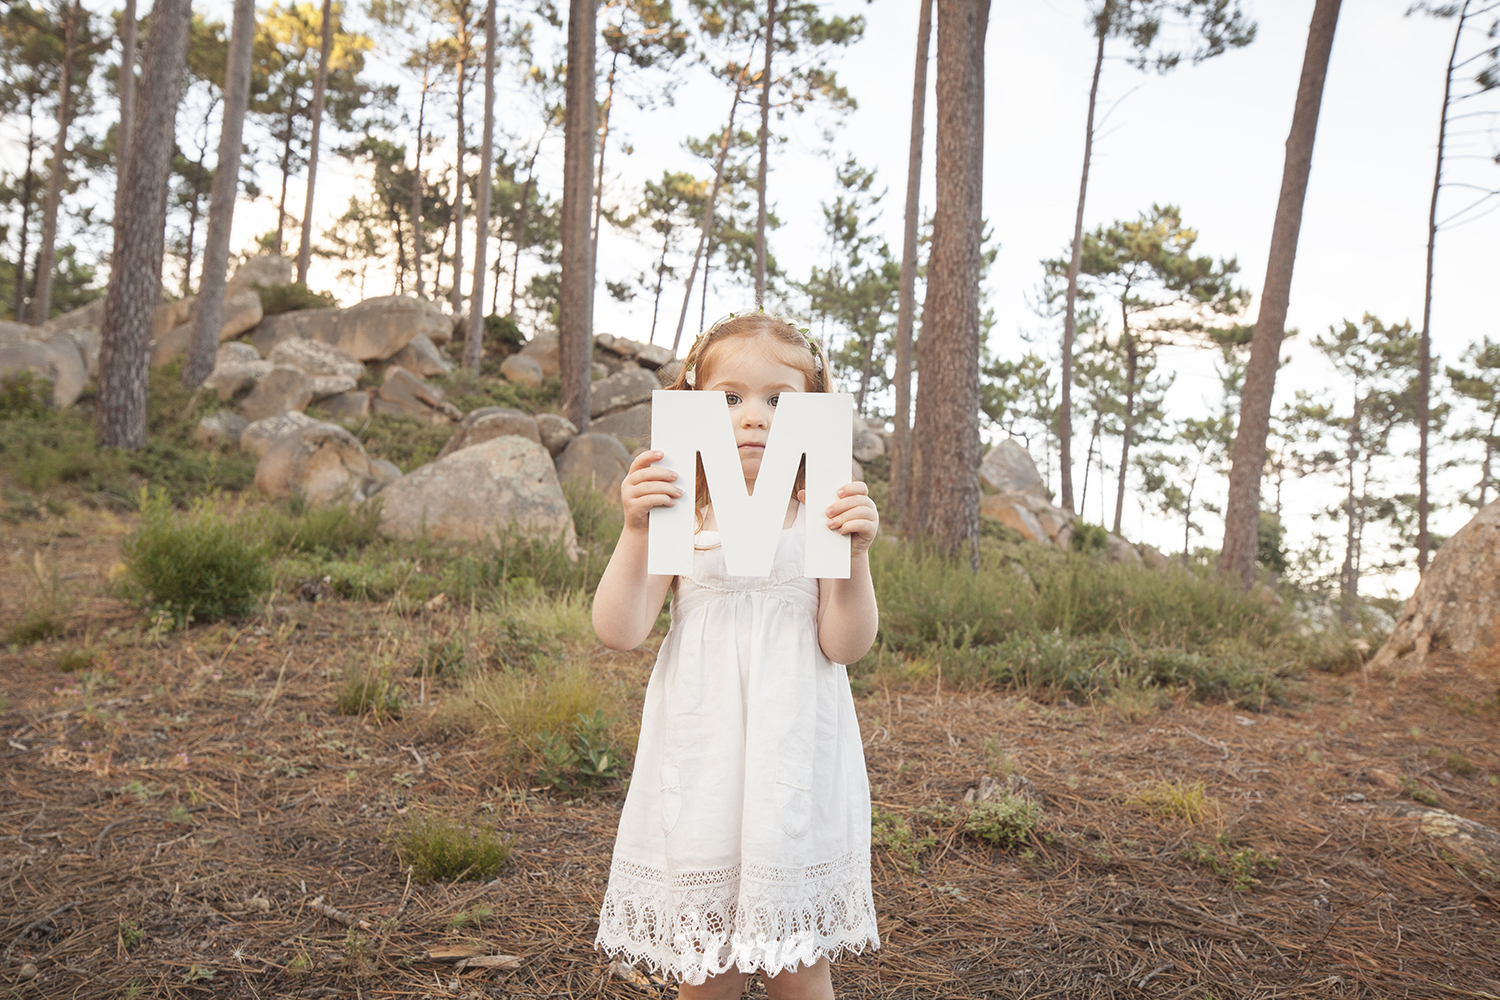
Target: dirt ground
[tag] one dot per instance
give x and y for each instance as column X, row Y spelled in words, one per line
column 168, row 819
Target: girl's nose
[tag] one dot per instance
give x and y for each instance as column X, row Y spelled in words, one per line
column 754, row 415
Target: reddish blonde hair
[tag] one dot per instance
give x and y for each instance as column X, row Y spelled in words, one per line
column 793, row 348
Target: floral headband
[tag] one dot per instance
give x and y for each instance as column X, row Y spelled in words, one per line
column 691, row 362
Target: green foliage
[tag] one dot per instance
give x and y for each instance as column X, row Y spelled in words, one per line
column 469, row 392
column 292, row 297
column 895, row 833
column 439, row 850
column 502, row 330
column 194, row 565
column 1270, row 543
column 44, row 606
column 23, row 394
column 1420, row 793
column 1175, row 799
column 331, row 530
column 370, row 691
column 409, row 442
column 1243, row 868
column 1089, row 537
column 1006, row 822
column 580, row 759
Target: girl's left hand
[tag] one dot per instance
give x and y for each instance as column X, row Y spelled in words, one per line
column 852, row 514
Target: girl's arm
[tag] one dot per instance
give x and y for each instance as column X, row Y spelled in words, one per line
column 847, row 616
column 628, row 599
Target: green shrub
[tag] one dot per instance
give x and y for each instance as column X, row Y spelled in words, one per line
column 333, row 529
column 580, row 759
column 371, row 691
column 502, row 330
column 409, row 442
column 278, row 299
column 1243, row 868
column 439, row 850
column 1089, row 537
column 1176, row 799
column 194, row 565
column 469, row 392
column 23, row 394
column 894, row 832
column 1005, row 822
column 44, row 606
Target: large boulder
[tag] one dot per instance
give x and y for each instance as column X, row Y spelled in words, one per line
column 347, row 405
column 57, row 362
column 316, row 358
column 233, row 376
column 403, row 394
column 597, row 461
column 223, row 427
column 172, row 331
column 556, row 431
column 372, row 330
column 283, row 388
column 626, row 387
column 264, row 269
column 489, row 422
column 522, row 369
column 260, row 436
column 422, row 358
column 1008, row 468
column 652, row 356
column 1457, row 605
column 543, row 349
column 1012, row 514
column 235, row 352
column 481, row 494
column 868, row 444
column 632, row 426
column 321, row 463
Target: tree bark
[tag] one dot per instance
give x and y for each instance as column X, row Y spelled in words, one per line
column 1349, row 572
column 28, row 189
column 286, row 172
column 945, row 474
column 576, row 298
column 474, row 342
column 760, row 176
column 1075, row 263
column 1242, row 512
column 416, row 188
column 906, row 311
column 456, row 296
column 125, row 87
column 706, row 227
column 609, row 101
column 135, row 264
column 46, row 262
column 1132, row 357
column 1424, row 361
column 320, row 93
column 208, row 312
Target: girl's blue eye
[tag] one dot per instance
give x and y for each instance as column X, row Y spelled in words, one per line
column 732, row 398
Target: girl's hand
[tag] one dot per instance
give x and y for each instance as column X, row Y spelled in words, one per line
column 644, row 487
column 852, row 514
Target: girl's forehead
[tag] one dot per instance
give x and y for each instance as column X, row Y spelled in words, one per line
column 741, row 356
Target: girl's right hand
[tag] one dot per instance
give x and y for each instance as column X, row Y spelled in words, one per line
column 644, row 487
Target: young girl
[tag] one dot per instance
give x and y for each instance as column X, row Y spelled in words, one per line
column 744, row 844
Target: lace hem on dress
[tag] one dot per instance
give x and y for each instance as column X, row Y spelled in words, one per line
column 697, row 924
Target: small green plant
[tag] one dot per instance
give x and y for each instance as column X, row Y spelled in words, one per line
column 1089, row 537
column 1243, row 868
column 475, row 916
column 359, row 956
column 581, row 759
column 291, row 297
column 301, row 964
column 333, row 529
column 131, row 936
column 198, row 974
column 1006, row 822
column 439, row 850
column 1420, row 793
column 374, row 691
column 1461, row 765
column 894, row 832
column 44, row 606
column 1176, row 799
column 23, row 394
column 194, row 565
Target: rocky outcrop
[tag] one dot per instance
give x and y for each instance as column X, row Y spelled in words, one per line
column 1022, row 502
column 372, row 330
column 1461, row 837
column 631, row 425
column 56, row 361
column 481, row 494
column 320, row 463
column 283, row 388
column 332, row 371
column 556, row 431
column 264, row 269
column 218, row 429
column 260, row 436
column 1008, row 468
column 597, row 461
column 627, row 387
column 488, row 423
column 1457, row 605
column 868, row 444
column 347, row 405
column 403, row 394
column 543, row 350
column 522, row 370
column 422, row 358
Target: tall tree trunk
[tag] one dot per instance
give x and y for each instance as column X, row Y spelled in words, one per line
column 906, row 311
column 135, row 264
column 1088, row 464
column 416, row 190
column 1075, row 263
column 520, row 233
column 192, row 230
column 609, row 102
column 41, row 303
column 320, row 92
column 945, row 474
column 706, row 227
column 1348, row 574
column 576, row 298
column 760, row 175
column 286, row 172
column 208, row 312
column 708, row 259
column 474, row 342
column 1424, row 361
column 125, row 87
column 1132, row 357
column 661, row 274
column 456, row 296
column 28, row 192
column 1242, row 512
column 866, row 369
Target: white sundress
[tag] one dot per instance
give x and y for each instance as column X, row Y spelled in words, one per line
column 745, row 837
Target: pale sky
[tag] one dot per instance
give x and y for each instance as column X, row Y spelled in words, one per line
column 1208, row 138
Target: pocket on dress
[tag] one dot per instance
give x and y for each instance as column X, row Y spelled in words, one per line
column 794, row 798
column 671, row 797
